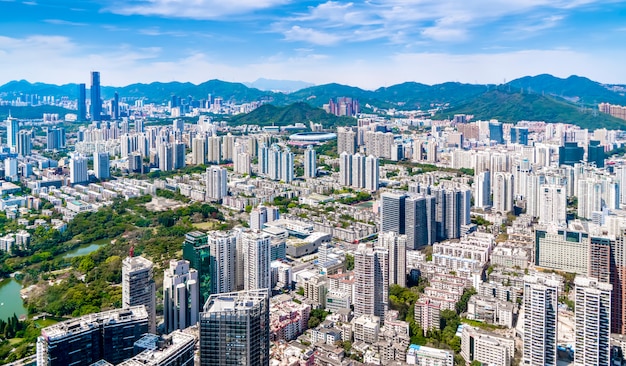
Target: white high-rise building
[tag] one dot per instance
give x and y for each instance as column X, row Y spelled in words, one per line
column 358, row 171
column 24, row 143
column 101, row 167
column 181, row 293
column 138, row 287
column 540, row 320
column 482, row 190
column 13, row 128
column 78, row 169
column 345, row 169
column 10, row 169
column 287, row 164
column 395, row 244
column 273, row 162
column 214, row 149
column 198, row 150
column 346, row 140
column 263, row 156
column 372, row 173
column 593, row 322
column 371, row 272
column 503, row 192
column 216, row 183
column 166, row 156
column 223, row 249
column 310, row 165
column 228, row 147
column 255, row 247
column 553, row 205
column 258, row 218
column 241, row 163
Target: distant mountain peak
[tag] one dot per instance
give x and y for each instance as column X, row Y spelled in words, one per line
column 283, row 86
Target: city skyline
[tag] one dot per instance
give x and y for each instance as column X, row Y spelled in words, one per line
column 365, row 44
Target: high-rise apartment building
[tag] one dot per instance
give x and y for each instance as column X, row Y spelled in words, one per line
column 101, row 167
column 258, row 218
column 482, row 190
column 223, row 248
column 13, row 128
column 392, row 212
column 346, row 140
column 396, row 246
column 196, row 250
column 24, row 143
column 82, row 341
column 345, row 169
column 181, row 296
column 371, row 272
column 235, row 329
column 553, row 205
column 198, row 150
column 420, row 225
column 503, row 184
column 310, row 165
column 540, row 306
column 78, row 169
column 96, row 99
column 214, row 149
column 372, row 173
column 55, row 138
column 592, row 322
column 138, row 287
column 255, row 248
column 216, row 183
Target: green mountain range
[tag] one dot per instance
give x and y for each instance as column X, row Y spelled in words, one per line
column 300, row 112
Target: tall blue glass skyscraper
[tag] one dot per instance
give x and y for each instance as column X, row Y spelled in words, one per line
column 96, row 100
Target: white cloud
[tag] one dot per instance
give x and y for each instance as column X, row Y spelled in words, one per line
column 63, row 22
column 191, row 9
column 296, row 33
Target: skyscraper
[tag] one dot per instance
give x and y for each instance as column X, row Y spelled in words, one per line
column 178, row 155
column 371, row 272
column 138, row 287
column 393, row 212
column 181, row 296
column 592, row 322
column 495, row 132
column 101, row 167
column 223, row 248
column 345, row 169
column 286, row 166
column 618, row 280
column 346, row 140
column 358, row 171
column 553, row 205
column 595, row 153
column 96, row 99
column 310, row 166
column 82, row 103
column 196, row 250
column 216, row 183
column 396, row 246
column 214, row 149
column 540, row 320
column 255, row 249
column 235, row 329
column 78, row 169
column 55, row 138
column 115, row 106
column 420, row 224
column 13, row 128
column 482, row 192
column 24, row 143
column 372, row 173
column 503, row 184
column 198, row 150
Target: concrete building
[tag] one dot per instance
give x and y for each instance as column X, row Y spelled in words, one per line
column 138, row 287
column 174, row 349
column 592, row 322
column 486, row 347
column 216, row 183
column 255, row 247
column 395, row 245
column 101, row 167
column 310, row 163
column 371, row 271
column 235, row 329
column 428, row 356
column 223, row 249
column 181, row 295
column 540, row 306
column 78, row 169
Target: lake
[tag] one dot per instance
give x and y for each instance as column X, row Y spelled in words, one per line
column 86, row 248
column 10, row 299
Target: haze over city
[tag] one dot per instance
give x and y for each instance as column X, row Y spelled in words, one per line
column 366, row 44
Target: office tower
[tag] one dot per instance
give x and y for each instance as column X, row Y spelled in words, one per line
column 372, row 173
column 553, row 205
column 181, row 296
column 78, row 169
column 392, row 212
column 235, row 329
column 24, row 143
column 540, row 320
column 371, row 271
column 519, row 135
column 82, row 103
column 109, row 335
column 396, row 246
column 592, row 321
column 178, row 155
column 346, row 140
column 258, row 218
column 358, row 171
column 223, row 249
column 196, row 250
column 174, row 349
column 286, row 166
column 138, row 287
column 495, row 132
column 482, row 192
column 255, row 248
column 13, row 128
column 420, row 224
column 214, row 149
column 96, row 99
column 198, row 150
column 216, row 183
column 135, row 163
column 115, row 107
column 310, row 166
column 10, row 169
column 570, row 154
column 503, row 184
column 345, row 169
column 101, row 165
column 455, row 207
column 55, row 138
column 595, row 153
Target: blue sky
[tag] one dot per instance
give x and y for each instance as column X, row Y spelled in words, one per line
column 362, row 43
